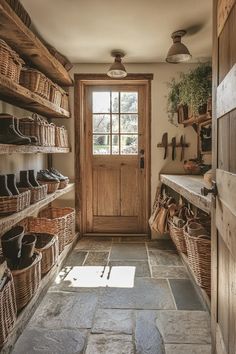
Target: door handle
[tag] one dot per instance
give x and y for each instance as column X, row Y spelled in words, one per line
column 205, row 191
column 141, row 164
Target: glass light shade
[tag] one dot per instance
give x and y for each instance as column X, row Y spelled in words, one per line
column 117, row 69
column 178, row 52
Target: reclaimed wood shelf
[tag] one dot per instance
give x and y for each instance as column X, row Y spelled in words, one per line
column 26, row 314
column 31, row 149
column 7, row 222
column 196, row 120
column 29, row 46
column 189, row 186
column 20, row 96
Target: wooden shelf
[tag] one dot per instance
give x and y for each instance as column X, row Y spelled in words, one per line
column 31, row 149
column 189, row 186
column 9, row 221
column 29, row 46
column 196, row 120
column 25, row 315
column 20, row 96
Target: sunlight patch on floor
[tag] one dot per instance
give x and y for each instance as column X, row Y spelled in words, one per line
column 99, row 276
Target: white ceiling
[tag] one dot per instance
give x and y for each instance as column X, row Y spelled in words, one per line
column 87, row 30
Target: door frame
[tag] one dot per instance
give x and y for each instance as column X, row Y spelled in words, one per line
column 81, row 82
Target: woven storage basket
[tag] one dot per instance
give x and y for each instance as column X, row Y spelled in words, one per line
column 14, row 67
column 65, row 101
column 14, row 204
column 47, row 245
column 5, row 53
column 37, row 193
column 37, row 126
column 199, row 258
column 61, row 137
column 65, row 216
column 64, row 184
column 27, row 280
column 34, row 81
column 52, row 187
column 55, row 94
column 8, row 310
column 177, row 235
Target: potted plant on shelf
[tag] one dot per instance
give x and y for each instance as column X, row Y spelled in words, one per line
column 195, row 89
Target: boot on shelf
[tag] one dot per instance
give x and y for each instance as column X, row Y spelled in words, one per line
column 32, row 179
column 8, row 134
column 57, row 174
column 11, row 184
column 4, row 191
column 27, row 250
column 44, row 175
column 24, row 180
column 11, row 245
column 33, row 139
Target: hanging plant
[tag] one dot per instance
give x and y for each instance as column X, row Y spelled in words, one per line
column 195, row 88
column 173, row 100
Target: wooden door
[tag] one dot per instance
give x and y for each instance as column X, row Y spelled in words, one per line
column 116, row 154
column 224, row 212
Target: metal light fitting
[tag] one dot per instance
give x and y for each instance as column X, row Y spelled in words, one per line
column 178, row 52
column 117, row 69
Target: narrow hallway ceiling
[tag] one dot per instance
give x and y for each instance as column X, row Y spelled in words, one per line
column 87, row 30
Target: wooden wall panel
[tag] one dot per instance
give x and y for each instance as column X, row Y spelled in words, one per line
column 232, row 30
column 223, row 143
column 232, row 140
column 108, row 192
column 129, row 191
column 224, row 52
column 112, row 224
column 224, row 9
column 232, row 302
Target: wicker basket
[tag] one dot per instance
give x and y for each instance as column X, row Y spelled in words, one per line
column 52, row 186
column 10, row 62
column 35, row 81
column 65, row 101
column 56, row 94
column 37, row 193
column 14, row 204
column 27, row 281
column 177, row 235
column 47, row 244
column 61, row 137
column 64, row 184
column 199, row 258
column 66, row 222
column 8, row 310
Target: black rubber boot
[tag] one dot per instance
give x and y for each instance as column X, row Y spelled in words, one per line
column 32, row 179
column 24, row 180
column 33, row 139
column 11, row 184
column 27, row 250
column 8, row 134
column 11, row 245
column 4, row 191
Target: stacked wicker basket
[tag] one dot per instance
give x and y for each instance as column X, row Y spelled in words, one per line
column 10, row 62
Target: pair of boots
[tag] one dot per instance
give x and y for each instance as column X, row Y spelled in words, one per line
column 51, row 175
column 18, row 248
column 10, row 132
column 8, row 185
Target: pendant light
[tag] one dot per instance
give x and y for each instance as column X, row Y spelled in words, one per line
column 178, row 52
column 117, row 69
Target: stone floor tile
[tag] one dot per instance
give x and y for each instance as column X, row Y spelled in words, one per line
column 148, row 339
column 187, row 349
column 161, row 245
column 44, row 341
column 109, row 344
column 184, row 327
column 76, row 258
column 65, row 310
column 87, row 244
column 115, row 321
column 96, row 259
column 141, row 267
column 128, row 251
column 164, row 257
column 147, row 293
column 171, row 272
column 186, row 297
column 135, row 239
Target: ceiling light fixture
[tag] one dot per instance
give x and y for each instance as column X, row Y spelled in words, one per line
column 117, row 69
column 178, row 52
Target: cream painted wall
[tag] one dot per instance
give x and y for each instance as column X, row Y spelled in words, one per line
column 162, row 74
column 16, row 162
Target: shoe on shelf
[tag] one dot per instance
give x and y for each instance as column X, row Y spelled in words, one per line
column 58, row 174
column 24, row 180
column 4, row 190
column 33, row 139
column 8, row 133
column 32, row 179
column 44, row 175
column 11, row 184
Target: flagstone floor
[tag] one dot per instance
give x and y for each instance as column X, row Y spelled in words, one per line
column 119, row 296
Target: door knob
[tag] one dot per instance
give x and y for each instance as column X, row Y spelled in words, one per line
column 141, row 162
column 205, row 191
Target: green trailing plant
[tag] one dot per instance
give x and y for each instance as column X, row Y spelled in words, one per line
column 195, row 87
column 173, row 99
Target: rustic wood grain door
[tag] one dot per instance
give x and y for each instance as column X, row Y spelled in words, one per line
column 117, row 159
column 224, row 212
